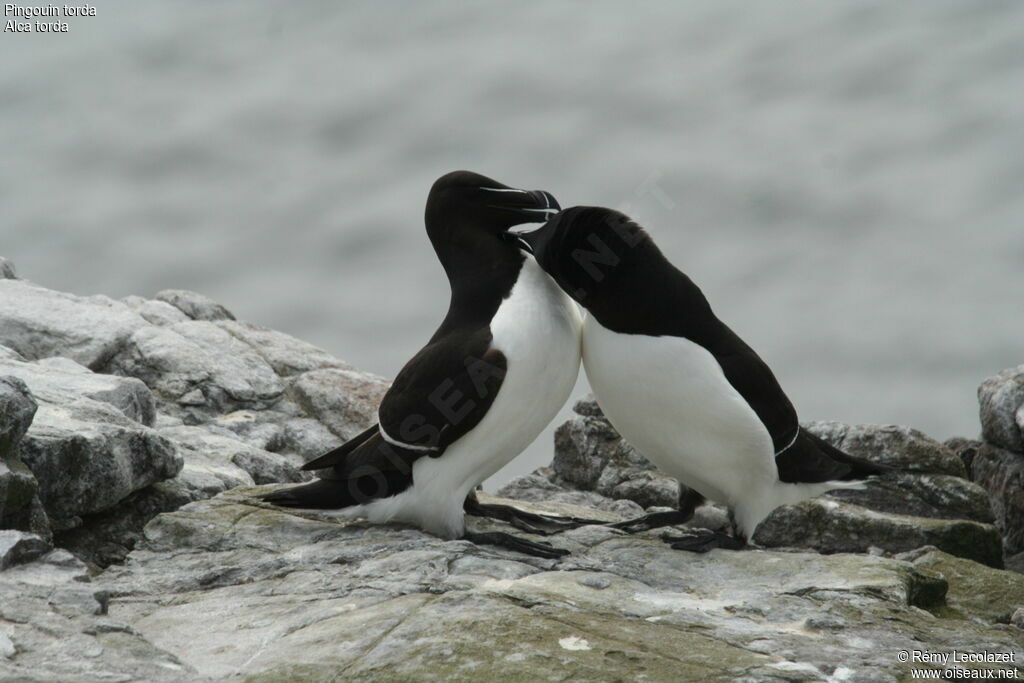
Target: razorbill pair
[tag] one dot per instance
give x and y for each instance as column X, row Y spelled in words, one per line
column 678, row 384
column 497, row 370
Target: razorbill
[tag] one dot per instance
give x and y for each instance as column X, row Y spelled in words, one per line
column 492, row 376
column 678, row 384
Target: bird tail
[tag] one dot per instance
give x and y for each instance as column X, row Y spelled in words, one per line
column 859, row 467
column 811, row 467
column 322, row 494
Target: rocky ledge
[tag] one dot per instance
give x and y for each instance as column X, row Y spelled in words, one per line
column 132, row 434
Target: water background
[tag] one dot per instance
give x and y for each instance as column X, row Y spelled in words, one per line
column 845, row 180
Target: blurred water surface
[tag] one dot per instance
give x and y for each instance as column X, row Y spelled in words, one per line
column 844, row 180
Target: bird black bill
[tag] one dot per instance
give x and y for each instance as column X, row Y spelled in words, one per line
column 531, row 206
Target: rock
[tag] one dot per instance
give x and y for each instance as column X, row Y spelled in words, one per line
column 257, row 429
column 308, row 438
column 287, row 355
column 195, row 306
column 588, row 407
column 156, row 312
column 834, row 527
column 345, row 401
column 200, row 366
column 55, row 621
column 939, row 496
column 17, row 484
column 1001, row 398
column 87, row 456
column 18, row 547
column 7, row 269
column 1001, row 473
column 539, row 487
column 903, row 448
column 107, row 537
column 39, row 323
column 391, row 603
column 976, row 592
column 591, row 456
column 209, row 466
column 1015, row 563
column 61, row 380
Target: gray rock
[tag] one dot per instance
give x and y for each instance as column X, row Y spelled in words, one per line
column 345, row 401
column 975, row 592
column 17, row 408
column 391, row 603
column 1001, row 398
column 61, row 380
column 939, row 496
column 260, row 429
column 216, row 462
column 39, row 323
column 1001, row 473
column 87, row 456
column 588, row 407
column 7, row 353
column 155, row 312
column 308, row 438
column 199, row 365
column 268, row 468
column 287, row 355
column 7, row 271
column 591, row 456
column 17, row 484
column 209, row 466
column 645, row 487
column 18, row 547
column 107, row 537
column 830, row 526
column 55, row 621
column 903, row 448
column 539, row 487
column 195, row 306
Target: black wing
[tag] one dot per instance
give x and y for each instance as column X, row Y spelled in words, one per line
column 799, row 455
column 443, row 392
column 331, row 458
column 752, row 378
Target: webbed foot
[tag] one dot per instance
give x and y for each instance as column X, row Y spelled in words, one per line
column 703, row 540
column 522, row 545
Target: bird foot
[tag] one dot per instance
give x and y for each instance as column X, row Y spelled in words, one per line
column 654, row 520
column 530, row 522
column 703, row 540
column 522, row 545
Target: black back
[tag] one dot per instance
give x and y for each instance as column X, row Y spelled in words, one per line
column 612, row 267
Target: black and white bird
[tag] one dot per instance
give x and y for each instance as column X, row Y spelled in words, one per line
column 678, row 384
column 497, row 370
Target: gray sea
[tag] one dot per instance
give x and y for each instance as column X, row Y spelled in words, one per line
column 845, row 180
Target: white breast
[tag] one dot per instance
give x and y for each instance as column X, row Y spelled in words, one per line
column 537, row 328
column 669, row 398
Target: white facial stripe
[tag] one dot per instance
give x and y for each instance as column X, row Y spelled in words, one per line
column 408, row 446
column 541, row 210
column 500, row 189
